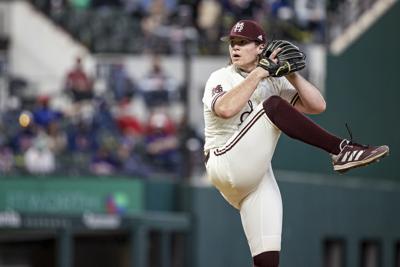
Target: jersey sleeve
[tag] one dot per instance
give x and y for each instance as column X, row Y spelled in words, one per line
column 216, row 86
column 287, row 91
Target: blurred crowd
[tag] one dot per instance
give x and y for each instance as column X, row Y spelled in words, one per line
column 134, row 127
column 131, row 129
column 176, row 26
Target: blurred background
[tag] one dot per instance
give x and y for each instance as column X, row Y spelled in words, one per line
column 101, row 133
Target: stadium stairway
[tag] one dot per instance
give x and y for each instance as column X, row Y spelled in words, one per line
column 40, row 50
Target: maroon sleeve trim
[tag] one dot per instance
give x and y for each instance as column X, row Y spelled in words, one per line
column 215, row 100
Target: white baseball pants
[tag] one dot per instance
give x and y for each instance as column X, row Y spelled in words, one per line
column 241, row 171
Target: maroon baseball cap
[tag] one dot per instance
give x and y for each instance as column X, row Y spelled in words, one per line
column 248, row 29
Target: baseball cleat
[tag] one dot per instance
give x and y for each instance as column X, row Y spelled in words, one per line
column 353, row 155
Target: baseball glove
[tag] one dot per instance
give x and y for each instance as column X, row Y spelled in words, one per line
column 290, row 58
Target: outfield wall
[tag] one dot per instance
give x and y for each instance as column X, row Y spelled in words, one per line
column 324, row 216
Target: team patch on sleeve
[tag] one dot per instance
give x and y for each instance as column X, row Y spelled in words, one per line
column 216, row 90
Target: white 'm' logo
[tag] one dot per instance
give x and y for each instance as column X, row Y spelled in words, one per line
column 238, row 27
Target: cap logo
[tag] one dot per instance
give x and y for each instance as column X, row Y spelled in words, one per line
column 238, row 27
column 260, row 37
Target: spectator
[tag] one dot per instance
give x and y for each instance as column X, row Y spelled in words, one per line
column 43, row 115
column 120, row 83
column 157, row 87
column 127, row 121
column 311, row 16
column 182, row 32
column 81, row 138
column 103, row 162
column 161, row 141
column 240, row 8
column 131, row 162
column 281, row 9
column 281, row 25
column 78, row 83
column 82, row 143
column 103, row 120
column 57, row 139
column 209, row 14
column 152, row 23
column 38, row 158
column 23, row 138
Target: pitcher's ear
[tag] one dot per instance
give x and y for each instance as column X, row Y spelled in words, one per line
column 261, row 48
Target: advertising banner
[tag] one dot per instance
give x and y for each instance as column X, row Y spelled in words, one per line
column 71, row 196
